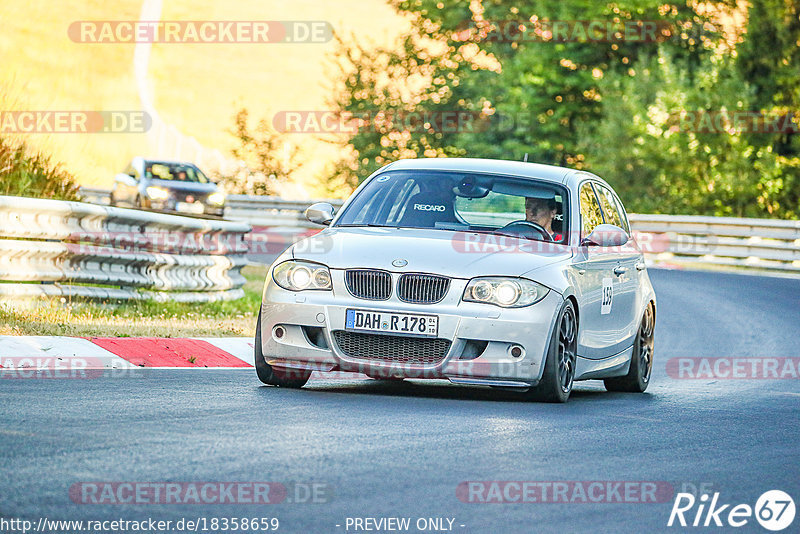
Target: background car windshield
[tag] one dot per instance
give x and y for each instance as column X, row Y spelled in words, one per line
column 175, row 172
column 458, row 202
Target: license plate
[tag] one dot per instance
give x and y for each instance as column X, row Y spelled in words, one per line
column 391, row 323
column 189, row 207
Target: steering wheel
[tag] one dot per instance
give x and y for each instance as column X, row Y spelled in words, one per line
column 523, row 228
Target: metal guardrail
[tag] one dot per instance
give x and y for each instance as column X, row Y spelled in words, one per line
column 272, row 211
column 117, row 253
column 95, row 195
column 727, row 242
column 762, row 244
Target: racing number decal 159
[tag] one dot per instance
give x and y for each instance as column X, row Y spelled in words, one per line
column 608, row 296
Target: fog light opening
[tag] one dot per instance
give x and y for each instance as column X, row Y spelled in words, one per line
column 278, row 332
column 473, row 348
column 316, row 336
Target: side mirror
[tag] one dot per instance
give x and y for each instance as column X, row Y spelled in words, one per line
column 606, row 235
column 125, row 179
column 320, row 213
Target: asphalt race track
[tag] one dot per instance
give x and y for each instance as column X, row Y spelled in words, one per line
column 400, row 449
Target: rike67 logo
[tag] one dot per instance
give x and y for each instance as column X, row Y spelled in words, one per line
column 774, row 510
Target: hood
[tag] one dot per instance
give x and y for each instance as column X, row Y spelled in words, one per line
column 453, row 254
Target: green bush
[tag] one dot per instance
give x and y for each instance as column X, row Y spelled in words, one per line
column 29, row 174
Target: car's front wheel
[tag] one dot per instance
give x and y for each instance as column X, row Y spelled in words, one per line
column 638, row 376
column 275, row 377
column 559, row 365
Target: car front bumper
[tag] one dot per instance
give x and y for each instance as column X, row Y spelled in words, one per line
column 297, row 332
column 186, row 209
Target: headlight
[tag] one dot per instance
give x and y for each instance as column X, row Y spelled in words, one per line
column 301, row 275
column 157, row 193
column 216, row 199
column 504, row 292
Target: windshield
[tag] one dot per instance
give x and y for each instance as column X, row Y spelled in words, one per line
column 453, row 201
column 174, row 171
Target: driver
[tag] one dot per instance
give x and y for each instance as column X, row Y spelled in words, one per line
column 542, row 211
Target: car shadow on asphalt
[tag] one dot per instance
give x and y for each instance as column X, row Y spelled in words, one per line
column 440, row 389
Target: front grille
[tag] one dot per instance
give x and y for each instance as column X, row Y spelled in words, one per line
column 422, row 288
column 181, row 196
column 385, row 348
column 370, row 285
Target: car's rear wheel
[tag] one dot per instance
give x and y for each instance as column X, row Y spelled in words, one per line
column 559, row 367
column 638, row 377
column 276, row 377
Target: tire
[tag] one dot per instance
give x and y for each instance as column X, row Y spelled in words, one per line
column 271, row 377
column 559, row 367
column 638, row 377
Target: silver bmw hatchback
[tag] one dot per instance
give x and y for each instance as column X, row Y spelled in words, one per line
column 480, row 272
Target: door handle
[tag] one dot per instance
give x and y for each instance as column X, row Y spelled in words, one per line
column 640, row 266
column 620, row 270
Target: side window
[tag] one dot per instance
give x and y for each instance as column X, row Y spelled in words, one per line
column 591, row 215
column 609, row 204
column 623, row 216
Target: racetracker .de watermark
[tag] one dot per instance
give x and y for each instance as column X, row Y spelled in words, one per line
column 105, row 243
column 564, row 491
column 443, row 121
column 734, row 368
column 465, row 242
column 446, row 121
column 81, row 122
column 495, row 242
column 57, row 368
column 200, row 492
column 567, row 31
column 735, row 122
column 200, row 31
column 509, row 369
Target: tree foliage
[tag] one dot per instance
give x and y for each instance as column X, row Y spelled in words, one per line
column 269, row 159
column 612, row 107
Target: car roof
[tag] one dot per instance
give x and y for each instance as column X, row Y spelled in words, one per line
column 170, row 162
column 520, row 169
column 495, row 166
column 157, row 161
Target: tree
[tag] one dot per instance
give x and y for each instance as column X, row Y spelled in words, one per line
column 661, row 158
column 268, row 156
column 769, row 58
column 526, row 95
column 617, row 107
